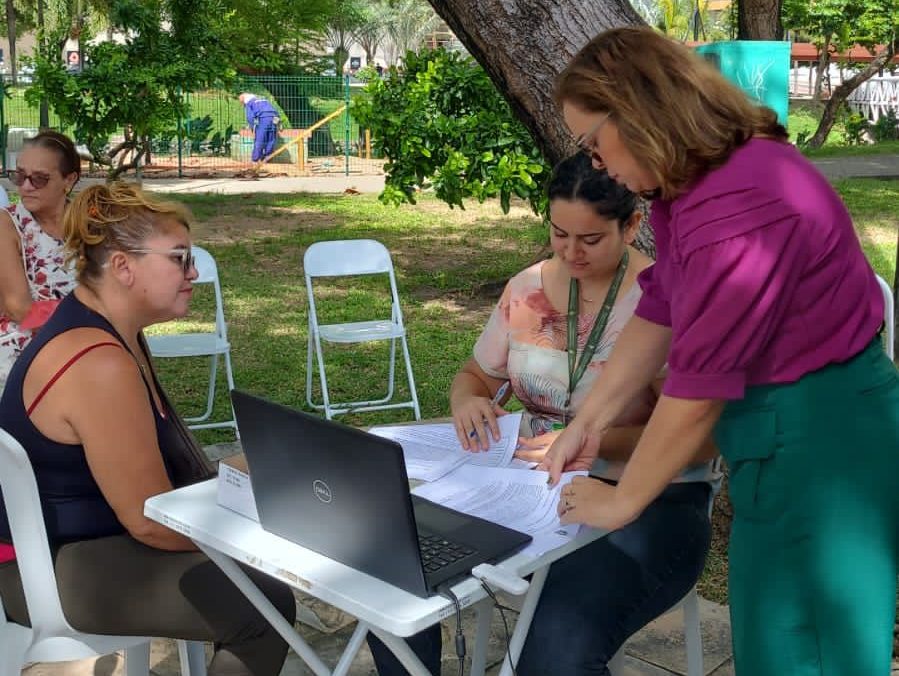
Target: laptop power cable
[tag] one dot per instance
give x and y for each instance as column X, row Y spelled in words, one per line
column 446, row 591
column 502, row 613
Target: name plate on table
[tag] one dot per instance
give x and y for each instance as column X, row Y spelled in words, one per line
column 234, row 491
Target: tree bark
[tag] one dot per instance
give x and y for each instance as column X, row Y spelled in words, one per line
column 842, row 92
column 823, row 66
column 759, row 20
column 11, row 32
column 524, row 44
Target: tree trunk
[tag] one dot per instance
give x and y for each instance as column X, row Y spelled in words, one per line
column 524, row 44
column 823, row 67
column 839, row 95
column 759, row 20
column 11, row 32
column 44, row 114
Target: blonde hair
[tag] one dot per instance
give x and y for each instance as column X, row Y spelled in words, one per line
column 118, row 216
column 673, row 109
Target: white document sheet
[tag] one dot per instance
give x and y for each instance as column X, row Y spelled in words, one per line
column 433, row 450
column 515, row 498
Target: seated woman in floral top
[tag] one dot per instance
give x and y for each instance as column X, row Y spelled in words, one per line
column 34, row 274
column 596, row 597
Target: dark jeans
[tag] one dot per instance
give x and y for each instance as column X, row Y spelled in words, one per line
column 116, row 585
column 596, row 597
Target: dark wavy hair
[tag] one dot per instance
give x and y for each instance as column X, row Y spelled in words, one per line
column 574, row 178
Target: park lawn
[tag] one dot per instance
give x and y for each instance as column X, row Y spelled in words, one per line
column 451, row 265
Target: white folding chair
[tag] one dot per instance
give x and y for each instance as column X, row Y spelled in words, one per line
column 212, row 344
column 889, row 315
column 689, row 604
column 348, row 258
column 50, row 638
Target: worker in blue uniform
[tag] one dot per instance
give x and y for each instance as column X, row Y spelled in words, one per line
column 263, row 120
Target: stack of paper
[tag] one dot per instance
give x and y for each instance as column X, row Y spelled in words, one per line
column 510, row 497
column 433, row 450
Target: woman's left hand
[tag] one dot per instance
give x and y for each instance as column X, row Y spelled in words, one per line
column 593, row 503
column 533, row 449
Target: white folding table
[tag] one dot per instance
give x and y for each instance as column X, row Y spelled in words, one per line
column 391, row 613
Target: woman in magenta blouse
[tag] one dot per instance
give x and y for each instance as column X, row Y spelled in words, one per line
column 768, row 315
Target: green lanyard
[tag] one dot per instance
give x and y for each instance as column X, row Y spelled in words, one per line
column 575, row 373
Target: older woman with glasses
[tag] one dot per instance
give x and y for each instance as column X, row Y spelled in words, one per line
column 103, row 437
column 33, row 273
column 769, row 316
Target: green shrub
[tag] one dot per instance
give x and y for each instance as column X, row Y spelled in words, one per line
column 855, row 129
column 441, row 124
column 886, row 128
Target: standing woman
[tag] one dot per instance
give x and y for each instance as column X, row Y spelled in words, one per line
column 34, row 275
column 768, row 314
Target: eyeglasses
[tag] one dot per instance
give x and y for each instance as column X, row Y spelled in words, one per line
column 586, row 143
column 18, row 177
column 183, row 257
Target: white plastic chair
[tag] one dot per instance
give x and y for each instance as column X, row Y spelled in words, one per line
column 889, row 316
column 50, row 637
column 689, row 605
column 212, row 344
column 347, row 258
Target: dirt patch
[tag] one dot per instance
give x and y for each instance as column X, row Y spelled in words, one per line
column 232, row 228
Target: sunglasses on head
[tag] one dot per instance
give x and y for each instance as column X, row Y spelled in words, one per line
column 19, row 176
column 183, row 257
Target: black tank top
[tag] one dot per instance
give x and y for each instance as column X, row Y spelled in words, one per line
column 74, row 508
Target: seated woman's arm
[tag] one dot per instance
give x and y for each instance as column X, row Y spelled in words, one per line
column 15, row 296
column 618, row 443
column 472, row 407
column 101, row 403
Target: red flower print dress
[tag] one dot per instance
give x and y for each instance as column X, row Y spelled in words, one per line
column 49, row 278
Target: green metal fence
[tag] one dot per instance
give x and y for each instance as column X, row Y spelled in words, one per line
column 317, row 133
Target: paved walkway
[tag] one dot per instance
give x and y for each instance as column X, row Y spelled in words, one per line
column 841, row 167
column 866, row 166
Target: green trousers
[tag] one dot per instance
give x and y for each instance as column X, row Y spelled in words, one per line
column 814, row 482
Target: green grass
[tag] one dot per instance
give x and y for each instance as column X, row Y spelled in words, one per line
column 450, row 266
column 442, row 257
column 804, row 117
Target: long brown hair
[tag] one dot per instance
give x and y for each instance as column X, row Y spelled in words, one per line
column 673, row 110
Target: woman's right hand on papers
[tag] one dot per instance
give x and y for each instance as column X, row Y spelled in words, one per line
column 575, row 449
column 475, row 422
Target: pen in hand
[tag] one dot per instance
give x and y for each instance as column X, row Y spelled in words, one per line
column 498, row 397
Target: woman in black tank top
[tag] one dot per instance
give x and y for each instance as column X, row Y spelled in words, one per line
column 102, row 436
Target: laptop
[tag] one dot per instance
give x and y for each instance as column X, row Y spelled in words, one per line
column 344, row 493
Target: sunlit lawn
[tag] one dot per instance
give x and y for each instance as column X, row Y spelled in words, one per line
column 450, row 267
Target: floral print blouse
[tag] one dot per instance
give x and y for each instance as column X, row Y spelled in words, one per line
column 49, row 278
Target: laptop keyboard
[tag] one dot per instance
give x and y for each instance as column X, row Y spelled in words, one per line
column 437, row 552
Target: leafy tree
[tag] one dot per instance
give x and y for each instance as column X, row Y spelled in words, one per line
column 270, row 35
column 442, row 125
column 372, row 30
column 828, row 24
column 407, row 24
column 873, row 24
column 348, row 17
column 18, row 18
column 135, row 87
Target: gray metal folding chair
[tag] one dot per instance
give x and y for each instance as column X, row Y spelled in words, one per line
column 212, row 344
column 340, row 258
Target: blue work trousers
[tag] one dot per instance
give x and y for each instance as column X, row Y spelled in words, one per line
column 599, row 595
column 266, row 135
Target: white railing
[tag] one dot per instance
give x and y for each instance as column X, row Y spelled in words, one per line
column 876, row 97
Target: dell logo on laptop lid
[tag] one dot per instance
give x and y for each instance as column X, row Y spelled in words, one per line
column 321, row 490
